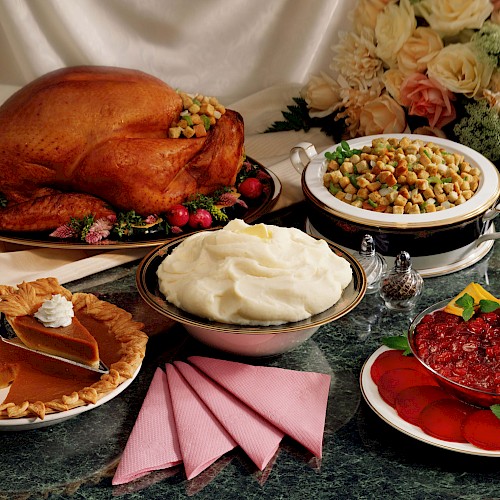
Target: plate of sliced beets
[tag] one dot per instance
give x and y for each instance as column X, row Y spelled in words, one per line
column 401, row 392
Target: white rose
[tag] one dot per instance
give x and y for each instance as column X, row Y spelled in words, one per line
column 368, row 11
column 418, row 50
column 321, row 93
column 393, row 78
column 457, row 68
column 394, row 26
column 448, row 17
column 383, row 115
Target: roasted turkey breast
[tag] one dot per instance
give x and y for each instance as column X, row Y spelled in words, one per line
column 94, row 139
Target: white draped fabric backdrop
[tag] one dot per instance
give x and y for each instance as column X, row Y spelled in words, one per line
column 254, row 55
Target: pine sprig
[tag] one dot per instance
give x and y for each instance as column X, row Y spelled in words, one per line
column 297, row 118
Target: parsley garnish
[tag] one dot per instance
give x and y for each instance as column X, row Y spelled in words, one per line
column 342, row 152
column 124, row 223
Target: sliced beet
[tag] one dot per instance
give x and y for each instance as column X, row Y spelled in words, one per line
column 411, row 401
column 443, row 419
column 394, row 381
column 482, row 429
column 390, row 360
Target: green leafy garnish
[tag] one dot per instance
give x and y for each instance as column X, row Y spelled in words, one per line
column 488, row 306
column 3, row 200
column 81, row 226
column 399, row 342
column 125, row 222
column 207, row 203
column 466, row 302
column 496, row 410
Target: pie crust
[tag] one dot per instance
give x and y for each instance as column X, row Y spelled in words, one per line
column 117, row 328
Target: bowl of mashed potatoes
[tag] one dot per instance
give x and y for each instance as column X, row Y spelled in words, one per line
column 251, row 290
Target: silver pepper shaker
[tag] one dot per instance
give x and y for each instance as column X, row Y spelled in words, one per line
column 372, row 262
column 402, row 285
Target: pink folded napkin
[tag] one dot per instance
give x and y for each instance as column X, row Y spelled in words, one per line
column 153, row 442
column 202, row 438
column 258, row 438
column 293, row 401
column 195, row 414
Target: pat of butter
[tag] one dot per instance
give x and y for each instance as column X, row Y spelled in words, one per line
column 260, row 230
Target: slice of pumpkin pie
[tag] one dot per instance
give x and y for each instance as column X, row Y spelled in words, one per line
column 39, row 385
column 54, row 329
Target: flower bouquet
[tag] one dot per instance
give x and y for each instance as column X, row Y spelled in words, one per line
column 419, row 66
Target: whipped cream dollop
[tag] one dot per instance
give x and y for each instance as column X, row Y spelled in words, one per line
column 253, row 275
column 55, row 312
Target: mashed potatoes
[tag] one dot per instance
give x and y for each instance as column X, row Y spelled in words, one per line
column 253, row 275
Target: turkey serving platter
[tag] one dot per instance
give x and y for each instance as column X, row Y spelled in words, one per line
column 255, row 210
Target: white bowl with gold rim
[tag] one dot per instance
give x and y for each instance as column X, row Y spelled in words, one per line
column 436, row 237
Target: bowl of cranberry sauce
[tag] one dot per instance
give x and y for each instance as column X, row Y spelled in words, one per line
column 463, row 356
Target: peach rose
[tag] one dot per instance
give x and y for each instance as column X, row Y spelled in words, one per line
column 368, row 10
column 383, row 115
column 457, row 68
column 427, row 98
column 321, row 93
column 393, row 78
column 432, row 131
column 395, row 24
column 449, row 17
column 495, row 15
column 418, row 50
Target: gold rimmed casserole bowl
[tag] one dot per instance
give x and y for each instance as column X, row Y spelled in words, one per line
column 251, row 341
column 438, row 239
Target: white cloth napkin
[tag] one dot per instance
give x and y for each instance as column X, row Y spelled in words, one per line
column 18, row 263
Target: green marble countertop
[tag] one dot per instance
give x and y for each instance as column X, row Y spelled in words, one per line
column 363, row 457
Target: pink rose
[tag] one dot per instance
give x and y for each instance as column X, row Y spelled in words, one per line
column 426, row 97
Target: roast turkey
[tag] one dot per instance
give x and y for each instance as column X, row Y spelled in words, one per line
column 94, row 140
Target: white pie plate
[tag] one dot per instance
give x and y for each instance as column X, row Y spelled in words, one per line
column 389, row 415
column 29, row 423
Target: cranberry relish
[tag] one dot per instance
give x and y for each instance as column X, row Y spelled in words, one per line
column 466, row 352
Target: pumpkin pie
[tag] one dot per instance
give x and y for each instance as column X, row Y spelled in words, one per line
column 40, row 385
column 71, row 342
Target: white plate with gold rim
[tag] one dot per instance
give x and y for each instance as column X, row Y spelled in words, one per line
column 390, row 415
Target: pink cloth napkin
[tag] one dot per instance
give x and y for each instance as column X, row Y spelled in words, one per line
column 202, row 438
column 153, row 442
column 293, row 401
column 258, row 438
column 196, row 414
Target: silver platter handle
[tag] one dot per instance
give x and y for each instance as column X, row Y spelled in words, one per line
column 491, row 213
column 307, row 149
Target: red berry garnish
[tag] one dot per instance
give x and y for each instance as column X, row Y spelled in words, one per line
column 177, row 215
column 251, row 188
column 200, row 219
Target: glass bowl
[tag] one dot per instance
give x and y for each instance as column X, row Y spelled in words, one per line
column 470, row 395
